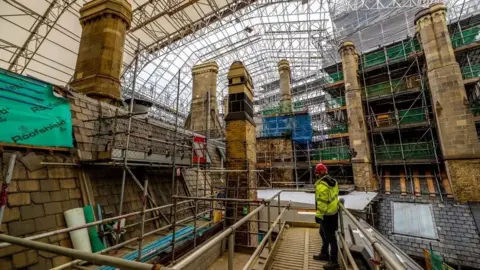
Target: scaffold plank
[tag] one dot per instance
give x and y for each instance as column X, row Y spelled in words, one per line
column 296, row 250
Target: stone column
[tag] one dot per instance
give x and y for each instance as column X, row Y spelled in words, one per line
column 225, row 106
column 201, row 119
column 285, row 87
column 97, row 73
column 357, row 128
column 455, row 124
column 241, row 151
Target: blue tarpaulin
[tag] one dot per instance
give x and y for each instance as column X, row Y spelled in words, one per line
column 298, row 126
column 163, row 244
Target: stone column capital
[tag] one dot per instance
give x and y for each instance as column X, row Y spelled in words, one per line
column 347, row 47
column 424, row 16
column 98, row 8
column 283, row 65
column 210, row 66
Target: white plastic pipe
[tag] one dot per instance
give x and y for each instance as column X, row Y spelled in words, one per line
column 80, row 239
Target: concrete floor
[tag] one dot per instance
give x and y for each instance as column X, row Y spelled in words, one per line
column 239, row 261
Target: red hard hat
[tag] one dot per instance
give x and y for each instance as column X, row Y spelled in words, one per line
column 321, row 169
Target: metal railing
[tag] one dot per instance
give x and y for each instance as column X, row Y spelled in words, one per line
column 256, row 254
column 230, row 231
column 98, row 258
column 381, row 255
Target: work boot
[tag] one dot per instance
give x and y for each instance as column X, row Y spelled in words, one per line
column 321, row 257
column 331, row 265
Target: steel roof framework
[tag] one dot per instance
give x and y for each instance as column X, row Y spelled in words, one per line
column 175, row 35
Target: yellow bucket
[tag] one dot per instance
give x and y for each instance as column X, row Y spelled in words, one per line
column 217, row 216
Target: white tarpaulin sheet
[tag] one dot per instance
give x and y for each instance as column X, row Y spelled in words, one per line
column 357, row 200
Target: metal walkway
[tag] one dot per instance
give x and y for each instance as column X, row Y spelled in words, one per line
column 296, row 249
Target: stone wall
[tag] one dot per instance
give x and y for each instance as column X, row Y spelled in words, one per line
column 455, row 124
column 39, row 195
column 91, row 117
column 272, row 155
column 106, row 188
column 36, row 202
column 458, row 237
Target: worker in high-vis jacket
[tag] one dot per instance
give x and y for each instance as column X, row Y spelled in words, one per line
column 326, row 204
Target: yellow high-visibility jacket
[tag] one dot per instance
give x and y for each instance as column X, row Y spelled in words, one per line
column 326, row 196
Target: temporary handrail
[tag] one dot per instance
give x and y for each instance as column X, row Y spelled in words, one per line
column 217, row 239
column 91, row 257
column 260, row 247
column 100, row 259
column 103, row 221
column 230, row 231
column 347, row 256
column 377, row 246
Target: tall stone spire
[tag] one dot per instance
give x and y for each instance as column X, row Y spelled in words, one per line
column 100, row 57
column 455, row 124
column 204, row 117
column 357, row 128
column 285, row 87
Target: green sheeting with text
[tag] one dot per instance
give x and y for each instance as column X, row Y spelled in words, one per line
column 31, row 114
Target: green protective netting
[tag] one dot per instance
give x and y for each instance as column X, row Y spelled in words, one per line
column 373, row 59
column 471, row 72
column 335, row 77
column 31, row 114
column 420, row 150
column 413, row 115
column 403, row 50
column 475, row 109
column 332, row 153
column 285, row 106
column 466, row 36
column 271, row 111
column 398, row 51
column 335, row 103
column 338, row 129
column 95, row 242
column 297, row 106
column 384, row 88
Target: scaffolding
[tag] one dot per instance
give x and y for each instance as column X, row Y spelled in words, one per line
column 397, row 105
column 399, row 119
column 332, row 146
column 129, row 140
column 466, row 41
column 182, row 239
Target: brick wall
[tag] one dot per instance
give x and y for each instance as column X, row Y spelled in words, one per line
column 458, row 236
column 36, row 202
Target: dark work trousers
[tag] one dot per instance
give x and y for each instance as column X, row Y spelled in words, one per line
column 328, row 227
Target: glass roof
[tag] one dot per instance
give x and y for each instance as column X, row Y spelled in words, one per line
column 41, row 38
